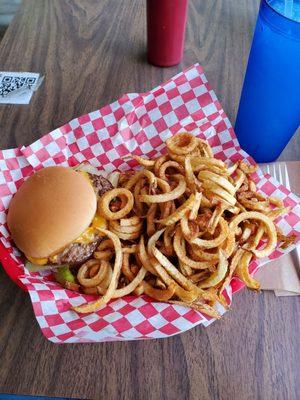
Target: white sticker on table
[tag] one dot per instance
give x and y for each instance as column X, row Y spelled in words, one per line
column 18, row 87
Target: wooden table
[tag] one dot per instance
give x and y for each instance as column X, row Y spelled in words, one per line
column 91, row 52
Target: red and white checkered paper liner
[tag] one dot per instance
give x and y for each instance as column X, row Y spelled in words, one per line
column 139, row 124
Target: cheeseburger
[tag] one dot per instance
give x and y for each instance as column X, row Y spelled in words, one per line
column 52, row 218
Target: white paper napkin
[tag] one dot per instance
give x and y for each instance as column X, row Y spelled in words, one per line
column 283, row 275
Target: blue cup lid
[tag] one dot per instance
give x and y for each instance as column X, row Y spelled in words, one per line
column 279, row 22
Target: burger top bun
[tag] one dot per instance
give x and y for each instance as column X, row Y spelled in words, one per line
column 50, row 210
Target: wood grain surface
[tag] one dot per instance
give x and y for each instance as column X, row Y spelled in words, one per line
column 91, row 52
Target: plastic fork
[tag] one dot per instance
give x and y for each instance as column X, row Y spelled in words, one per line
column 280, row 173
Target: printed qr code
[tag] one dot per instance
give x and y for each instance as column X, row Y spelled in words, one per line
column 12, row 83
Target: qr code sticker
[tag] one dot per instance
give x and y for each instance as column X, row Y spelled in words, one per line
column 11, row 83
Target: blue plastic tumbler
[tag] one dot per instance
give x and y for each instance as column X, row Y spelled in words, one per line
column 269, row 110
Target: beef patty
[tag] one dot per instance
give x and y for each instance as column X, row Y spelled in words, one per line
column 101, row 184
column 77, row 253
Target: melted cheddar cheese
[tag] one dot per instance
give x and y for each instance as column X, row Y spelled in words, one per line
column 38, row 261
column 86, row 237
column 89, row 234
column 99, row 222
column 53, row 259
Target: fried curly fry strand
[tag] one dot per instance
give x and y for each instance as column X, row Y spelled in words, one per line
column 159, row 294
column 180, row 212
column 159, row 284
column 222, row 171
column 183, row 294
column 169, row 164
column 286, row 241
column 141, row 174
column 83, row 274
column 132, row 285
column 185, row 269
column 203, row 308
column 104, row 251
column 201, row 255
column 117, row 227
column 196, row 206
column 276, row 202
column 219, row 180
column 254, row 201
column 168, row 272
column 203, row 218
column 219, row 274
column 232, row 267
column 132, row 221
column 252, row 186
column 139, row 290
column 167, row 207
column 172, row 195
column 268, row 226
column 215, row 218
column 102, row 287
column 255, row 240
column 242, row 271
column 205, row 147
column 124, row 177
column 170, row 269
column 176, row 157
column 222, row 299
column 198, row 162
column 189, row 229
column 278, row 212
column 191, row 180
column 217, row 241
column 124, row 235
column 125, row 267
column 182, row 143
column 232, row 168
column 200, row 276
column 239, row 180
column 245, row 235
column 180, row 251
column 168, row 240
column 105, row 200
column 205, row 202
column 139, row 207
column 158, row 162
column 91, row 307
column 144, row 162
column 163, row 260
column 247, row 168
column 150, row 219
column 143, row 256
column 215, row 189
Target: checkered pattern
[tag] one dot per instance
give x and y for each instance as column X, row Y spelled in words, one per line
column 139, row 124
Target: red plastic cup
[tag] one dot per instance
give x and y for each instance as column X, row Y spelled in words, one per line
column 166, row 21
